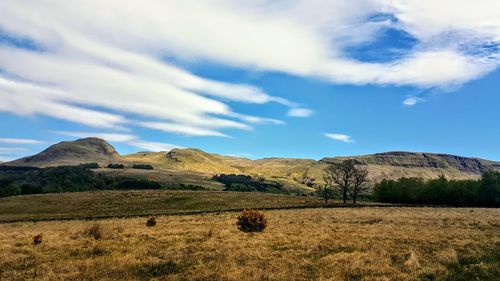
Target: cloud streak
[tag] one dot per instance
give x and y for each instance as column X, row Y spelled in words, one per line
column 299, row 112
column 91, row 64
column 20, row 141
column 412, row 100
column 339, row 137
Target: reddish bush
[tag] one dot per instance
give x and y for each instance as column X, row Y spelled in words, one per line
column 251, row 221
column 37, row 239
column 151, row 221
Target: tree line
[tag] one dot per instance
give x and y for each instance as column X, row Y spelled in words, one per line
column 484, row 192
column 245, row 183
column 29, row 180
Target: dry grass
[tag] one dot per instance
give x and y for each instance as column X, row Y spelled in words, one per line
column 139, row 203
column 307, row 244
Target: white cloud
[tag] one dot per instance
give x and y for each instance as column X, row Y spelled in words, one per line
column 153, row 146
column 20, row 141
column 339, row 137
column 299, row 112
column 301, row 37
column 242, row 155
column 4, row 150
column 100, row 62
column 79, row 70
column 129, row 139
column 412, row 100
column 11, row 153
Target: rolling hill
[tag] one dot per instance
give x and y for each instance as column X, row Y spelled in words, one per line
column 85, row 150
column 194, row 166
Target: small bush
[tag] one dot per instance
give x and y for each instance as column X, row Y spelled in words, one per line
column 151, row 221
column 251, row 221
column 89, row 165
column 142, row 166
column 116, row 166
column 37, row 239
column 96, row 231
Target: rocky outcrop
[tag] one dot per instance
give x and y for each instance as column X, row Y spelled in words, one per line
column 422, row 160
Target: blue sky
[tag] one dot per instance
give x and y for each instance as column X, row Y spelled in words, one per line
column 304, row 79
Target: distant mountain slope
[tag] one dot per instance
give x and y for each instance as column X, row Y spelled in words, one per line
column 194, row 165
column 422, row 160
column 390, row 165
column 394, row 165
column 71, row 153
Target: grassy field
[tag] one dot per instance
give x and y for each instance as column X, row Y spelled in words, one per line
column 306, row 244
column 104, row 204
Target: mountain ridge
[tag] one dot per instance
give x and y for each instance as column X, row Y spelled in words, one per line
column 184, row 164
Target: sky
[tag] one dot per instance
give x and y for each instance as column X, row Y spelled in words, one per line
column 255, row 79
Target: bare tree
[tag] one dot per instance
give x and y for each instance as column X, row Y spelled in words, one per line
column 359, row 183
column 340, row 177
column 325, row 191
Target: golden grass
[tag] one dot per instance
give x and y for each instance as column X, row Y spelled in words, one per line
column 139, row 203
column 306, row 244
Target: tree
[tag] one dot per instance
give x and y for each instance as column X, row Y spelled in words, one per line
column 325, row 191
column 10, row 190
column 359, row 183
column 340, row 177
column 489, row 189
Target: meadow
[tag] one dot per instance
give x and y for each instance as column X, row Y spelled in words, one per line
column 370, row 243
column 105, row 204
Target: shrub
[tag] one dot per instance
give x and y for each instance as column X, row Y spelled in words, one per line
column 96, row 231
column 251, row 221
column 37, row 239
column 151, row 221
column 89, row 165
column 116, row 166
column 142, row 166
column 244, row 183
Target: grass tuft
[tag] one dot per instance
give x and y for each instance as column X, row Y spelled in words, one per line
column 95, row 231
column 160, row 269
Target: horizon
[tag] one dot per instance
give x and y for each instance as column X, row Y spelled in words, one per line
column 237, row 156
column 262, row 79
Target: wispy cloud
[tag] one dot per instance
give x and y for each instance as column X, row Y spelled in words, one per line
column 20, row 141
column 339, row 137
column 412, row 100
column 77, row 72
column 4, row 150
column 242, row 155
column 299, row 112
column 306, row 38
column 129, row 139
column 11, row 153
column 153, row 146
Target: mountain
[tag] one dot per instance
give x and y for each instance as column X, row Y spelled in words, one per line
column 87, row 150
column 194, row 166
column 397, row 164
